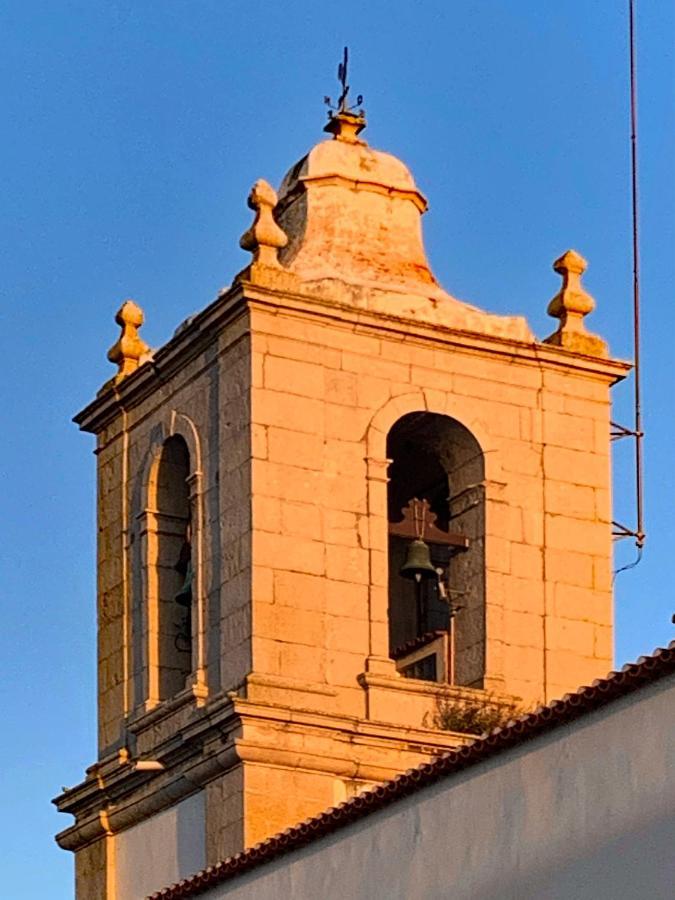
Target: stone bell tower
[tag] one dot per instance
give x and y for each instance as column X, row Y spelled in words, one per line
column 335, row 498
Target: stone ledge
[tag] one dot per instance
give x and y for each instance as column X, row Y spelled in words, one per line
column 232, row 304
column 404, row 700
column 141, row 719
column 330, row 179
column 431, row 688
column 254, row 681
column 115, row 796
column 372, row 322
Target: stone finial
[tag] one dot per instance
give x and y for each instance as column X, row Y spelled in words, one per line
column 570, row 305
column 264, row 238
column 130, row 348
column 346, row 126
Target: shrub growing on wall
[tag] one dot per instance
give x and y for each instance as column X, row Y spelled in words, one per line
column 472, row 715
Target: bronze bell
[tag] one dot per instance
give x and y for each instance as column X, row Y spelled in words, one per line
column 418, row 563
column 184, row 595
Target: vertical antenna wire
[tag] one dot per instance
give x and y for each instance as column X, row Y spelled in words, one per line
column 639, row 529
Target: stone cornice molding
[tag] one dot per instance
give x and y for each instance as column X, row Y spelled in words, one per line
column 189, row 341
column 116, row 796
column 332, row 179
column 238, row 301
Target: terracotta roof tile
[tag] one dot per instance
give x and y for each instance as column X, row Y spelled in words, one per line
column 646, row 670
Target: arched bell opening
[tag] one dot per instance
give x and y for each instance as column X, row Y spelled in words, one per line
column 173, row 568
column 436, row 523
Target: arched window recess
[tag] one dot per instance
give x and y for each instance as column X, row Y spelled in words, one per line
column 170, row 560
column 436, row 549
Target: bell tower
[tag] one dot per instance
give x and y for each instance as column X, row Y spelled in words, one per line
column 336, row 498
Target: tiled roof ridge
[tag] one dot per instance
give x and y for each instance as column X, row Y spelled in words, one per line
column 646, row 670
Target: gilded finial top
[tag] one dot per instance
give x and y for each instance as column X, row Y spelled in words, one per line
column 128, row 350
column 345, row 122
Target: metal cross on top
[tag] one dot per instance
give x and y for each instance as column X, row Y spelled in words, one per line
column 341, row 106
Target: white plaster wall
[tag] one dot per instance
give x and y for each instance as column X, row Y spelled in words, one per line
column 585, row 813
column 161, row 850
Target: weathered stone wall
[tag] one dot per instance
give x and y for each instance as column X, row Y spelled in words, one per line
column 208, row 403
column 224, row 822
column 112, row 585
column 94, row 870
column 286, row 417
column 323, row 398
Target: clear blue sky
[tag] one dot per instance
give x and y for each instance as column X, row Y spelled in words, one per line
column 132, row 132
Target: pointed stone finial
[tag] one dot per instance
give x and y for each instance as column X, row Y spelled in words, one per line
column 130, row 348
column 571, row 304
column 264, row 238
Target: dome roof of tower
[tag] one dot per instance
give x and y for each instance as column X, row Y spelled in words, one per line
column 353, row 218
column 355, row 161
